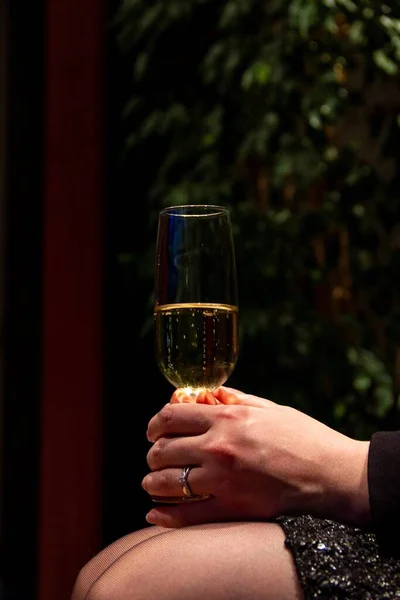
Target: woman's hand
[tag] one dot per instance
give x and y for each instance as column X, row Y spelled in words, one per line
column 256, row 458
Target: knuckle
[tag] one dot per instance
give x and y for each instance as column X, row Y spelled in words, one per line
column 155, row 454
column 166, row 414
column 222, row 451
column 236, row 412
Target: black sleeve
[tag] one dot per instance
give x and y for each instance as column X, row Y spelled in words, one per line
column 384, row 489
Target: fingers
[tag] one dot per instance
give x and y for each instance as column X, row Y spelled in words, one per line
column 210, row 510
column 222, row 395
column 226, row 395
column 186, row 513
column 176, row 452
column 181, row 397
column 167, row 484
column 180, row 419
column 182, row 416
column 206, row 397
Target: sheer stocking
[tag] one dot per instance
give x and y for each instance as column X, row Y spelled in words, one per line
column 223, row 561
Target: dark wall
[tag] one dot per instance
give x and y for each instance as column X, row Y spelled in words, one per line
column 52, row 338
column 134, row 389
column 22, row 313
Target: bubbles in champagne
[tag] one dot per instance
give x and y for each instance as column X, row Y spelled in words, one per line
column 196, row 345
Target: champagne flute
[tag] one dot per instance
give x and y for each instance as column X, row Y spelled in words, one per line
column 196, row 300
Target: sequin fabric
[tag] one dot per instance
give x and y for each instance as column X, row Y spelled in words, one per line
column 338, row 562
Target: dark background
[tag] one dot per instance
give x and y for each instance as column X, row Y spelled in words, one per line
column 340, row 363
column 128, row 366
column 134, row 388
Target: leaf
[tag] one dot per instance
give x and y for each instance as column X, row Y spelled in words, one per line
column 256, row 105
column 384, row 396
column 385, row 63
column 362, row 383
column 258, row 74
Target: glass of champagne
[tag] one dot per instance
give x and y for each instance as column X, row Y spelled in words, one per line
column 196, row 300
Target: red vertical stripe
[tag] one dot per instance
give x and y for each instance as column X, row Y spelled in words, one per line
column 70, row 489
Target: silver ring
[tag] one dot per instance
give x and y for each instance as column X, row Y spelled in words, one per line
column 188, row 495
column 183, row 480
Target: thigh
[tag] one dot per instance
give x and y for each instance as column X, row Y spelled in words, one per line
column 99, row 564
column 226, row 561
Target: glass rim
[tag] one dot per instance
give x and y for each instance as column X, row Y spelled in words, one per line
column 194, row 210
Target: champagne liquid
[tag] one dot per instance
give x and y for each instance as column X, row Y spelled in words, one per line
column 196, row 345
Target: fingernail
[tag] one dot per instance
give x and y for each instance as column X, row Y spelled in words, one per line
column 150, row 517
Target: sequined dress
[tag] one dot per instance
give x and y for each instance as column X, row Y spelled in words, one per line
column 338, row 562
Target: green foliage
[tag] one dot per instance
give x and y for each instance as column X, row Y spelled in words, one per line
column 287, row 111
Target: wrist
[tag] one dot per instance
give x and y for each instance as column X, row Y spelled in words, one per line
column 343, row 492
